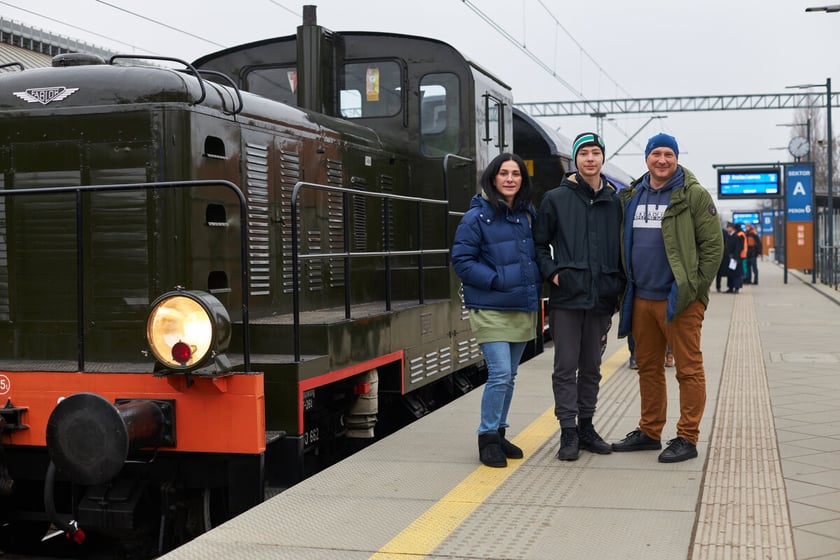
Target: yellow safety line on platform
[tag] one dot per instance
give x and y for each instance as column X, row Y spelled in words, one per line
column 439, row 521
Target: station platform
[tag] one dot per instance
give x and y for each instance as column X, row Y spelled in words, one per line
column 766, row 483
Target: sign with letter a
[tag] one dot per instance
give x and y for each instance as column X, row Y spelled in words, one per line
column 799, row 201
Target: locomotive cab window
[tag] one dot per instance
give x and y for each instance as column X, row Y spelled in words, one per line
column 371, row 89
column 440, row 114
column 274, row 82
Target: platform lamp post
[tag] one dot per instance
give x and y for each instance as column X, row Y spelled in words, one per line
column 829, row 144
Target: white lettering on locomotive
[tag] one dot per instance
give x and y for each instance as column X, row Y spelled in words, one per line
column 45, row 95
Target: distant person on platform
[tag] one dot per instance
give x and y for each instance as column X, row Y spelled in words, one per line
column 753, row 252
column 732, row 248
column 723, row 270
column 742, row 235
column 671, row 248
column 577, row 242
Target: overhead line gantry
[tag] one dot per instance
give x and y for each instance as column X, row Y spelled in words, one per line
column 603, row 107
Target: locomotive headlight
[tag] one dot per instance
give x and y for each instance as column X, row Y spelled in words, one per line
column 187, row 328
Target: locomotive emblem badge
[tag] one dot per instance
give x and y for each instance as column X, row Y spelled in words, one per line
column 45, row 95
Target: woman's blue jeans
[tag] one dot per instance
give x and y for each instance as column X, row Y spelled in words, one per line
column 502, row 359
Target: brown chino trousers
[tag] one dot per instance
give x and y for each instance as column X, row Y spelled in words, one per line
column 652, row 335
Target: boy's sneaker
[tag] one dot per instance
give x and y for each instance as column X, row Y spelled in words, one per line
column 637, row 440
column 632, row 363
column 591, row 441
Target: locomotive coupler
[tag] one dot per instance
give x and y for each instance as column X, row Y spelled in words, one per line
column 12, row 417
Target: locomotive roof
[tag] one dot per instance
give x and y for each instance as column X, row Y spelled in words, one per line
column 129, row 83
column 373, row 43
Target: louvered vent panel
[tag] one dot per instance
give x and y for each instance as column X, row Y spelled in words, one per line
column 360, row 237
column 256, row 176
column 4, row 260
column 289, row 176
column 467, row 350
column 432, row 364
column 335, row 224
column 314, row 268
column 386, row 184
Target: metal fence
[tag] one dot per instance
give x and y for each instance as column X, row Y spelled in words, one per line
column 829, row 265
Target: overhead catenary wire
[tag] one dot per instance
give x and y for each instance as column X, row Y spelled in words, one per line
column 521, row 46
column 291, row 11
column 601, row 69
column 541, row 63
column 135, row 14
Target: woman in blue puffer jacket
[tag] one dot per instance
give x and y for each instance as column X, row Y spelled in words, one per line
column 493, row 254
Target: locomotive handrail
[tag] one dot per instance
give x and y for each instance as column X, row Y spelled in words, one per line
column 314, row 256
column 80, row 320
column 347, row 255
column 10, row 64
column 232, row 84
column 446, row 159
column 170, row 59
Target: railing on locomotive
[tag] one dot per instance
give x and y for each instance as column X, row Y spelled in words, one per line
column 80, row 228
column 347, row 255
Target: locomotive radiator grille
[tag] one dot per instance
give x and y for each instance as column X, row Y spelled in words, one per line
column 315, row 267
column 289, row 176
column 335, row 223
column 4, row 262
column 467, row 351
column 386, row 185
column 359, row 204
column 429, row 365
column 258, row 238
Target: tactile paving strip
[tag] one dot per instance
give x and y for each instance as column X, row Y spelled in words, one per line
column 743, row 508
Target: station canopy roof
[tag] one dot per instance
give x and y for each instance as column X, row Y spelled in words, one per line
column 35, row 48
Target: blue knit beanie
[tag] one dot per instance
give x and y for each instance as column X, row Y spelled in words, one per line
column 662, row 140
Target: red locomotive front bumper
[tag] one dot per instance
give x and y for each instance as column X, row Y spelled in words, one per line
column 224, row 414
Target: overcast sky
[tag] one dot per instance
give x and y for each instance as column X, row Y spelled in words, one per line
column 603, row 49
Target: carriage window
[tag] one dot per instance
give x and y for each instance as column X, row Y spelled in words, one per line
column 371, row 89
column 440, row 114
column 274, row 82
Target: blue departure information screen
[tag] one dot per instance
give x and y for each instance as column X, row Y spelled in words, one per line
column 747, row 218
column 749, row 183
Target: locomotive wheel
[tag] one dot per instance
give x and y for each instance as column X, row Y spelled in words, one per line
column 205, row 509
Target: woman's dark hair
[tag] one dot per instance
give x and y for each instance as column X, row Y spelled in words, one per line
column 488, row 185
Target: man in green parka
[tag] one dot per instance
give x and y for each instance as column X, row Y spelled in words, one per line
column 671, row 247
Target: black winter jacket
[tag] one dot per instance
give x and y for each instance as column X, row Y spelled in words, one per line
column 577, row 236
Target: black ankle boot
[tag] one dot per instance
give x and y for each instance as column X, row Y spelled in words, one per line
column 569, row 445
column 490, row 450
column 510, row 450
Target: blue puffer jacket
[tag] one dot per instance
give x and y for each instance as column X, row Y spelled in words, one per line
column 493, row 254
